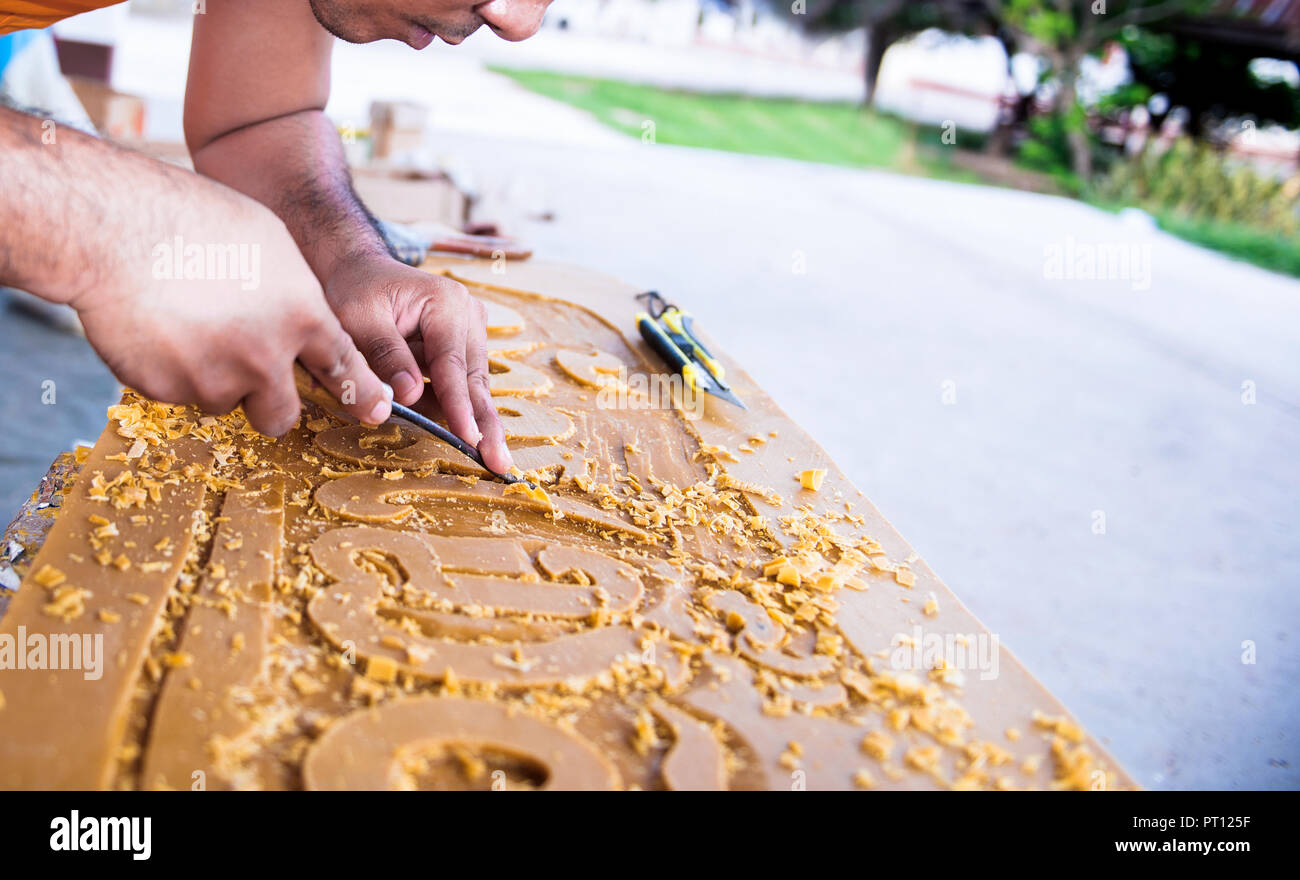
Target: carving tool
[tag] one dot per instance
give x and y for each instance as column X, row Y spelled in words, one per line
column 413, row 242
column 676, row 342
column 310, row 389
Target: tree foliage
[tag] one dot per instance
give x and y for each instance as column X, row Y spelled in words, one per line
column 1212, row 81
column 1061, row 32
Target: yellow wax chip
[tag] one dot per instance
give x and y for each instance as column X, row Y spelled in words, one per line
column 788, row 575
column 877, row 744
column 49, row 576
column 812, row 478
column 534, row 493
column 771, row 568
column 305, row 684
column 381, row 669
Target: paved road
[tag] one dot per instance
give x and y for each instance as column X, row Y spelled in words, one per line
column 55, row 394
column 1003, row 411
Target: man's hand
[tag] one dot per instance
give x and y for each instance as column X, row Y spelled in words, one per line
column 225, row 342
column 143, row 251
column 410, row 324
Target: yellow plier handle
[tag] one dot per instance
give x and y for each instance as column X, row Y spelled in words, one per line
column 681, row 329
column 666, row 348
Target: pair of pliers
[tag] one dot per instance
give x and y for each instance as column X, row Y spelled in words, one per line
column 671, row 333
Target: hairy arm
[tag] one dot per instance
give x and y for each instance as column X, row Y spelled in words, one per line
column 79, row 214
column 86, row 223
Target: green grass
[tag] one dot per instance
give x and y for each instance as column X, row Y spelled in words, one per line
column 833, row 133
column 1264, row 249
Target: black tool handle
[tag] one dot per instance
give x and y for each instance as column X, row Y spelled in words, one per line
column 449, row 438
column 663, row 346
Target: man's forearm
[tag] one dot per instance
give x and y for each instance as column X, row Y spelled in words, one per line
column 76, row 213
column 295, row 166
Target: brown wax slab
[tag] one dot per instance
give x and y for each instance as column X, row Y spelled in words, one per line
column 364, row 750
column 512, row 378
column 830, row 745
column 525, row 419
column 513, row 349
column 59, row 730
column 369, row 498
column 394, row 445
column 398, row 445
column 697, row 761
column 748, row 620
column 357, row 614
column 675, row 665
column 593, row 368
column 551, row 462
column 678, row 555
column 830, row 696
column 224, row 640
column 759, row 639
column 493, row 586
column 502, row 320
column 871, row 619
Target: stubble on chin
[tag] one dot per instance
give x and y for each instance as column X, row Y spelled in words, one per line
column 352, row 27
column 455, row 33
column 342, row 23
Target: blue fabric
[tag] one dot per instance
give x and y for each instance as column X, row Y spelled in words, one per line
column 12, row 44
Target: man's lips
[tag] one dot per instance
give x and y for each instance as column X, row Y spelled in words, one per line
column 418, row 37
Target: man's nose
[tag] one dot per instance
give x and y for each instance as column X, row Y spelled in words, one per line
column 514, row 20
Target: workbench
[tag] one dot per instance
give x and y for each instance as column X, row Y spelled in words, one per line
column 693, row 596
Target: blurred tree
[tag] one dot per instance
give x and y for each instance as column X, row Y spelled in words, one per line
column 1064, row 32
column 1212, row 80
column 1061, row 32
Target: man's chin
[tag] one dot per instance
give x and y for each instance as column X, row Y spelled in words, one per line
column 452, row 35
